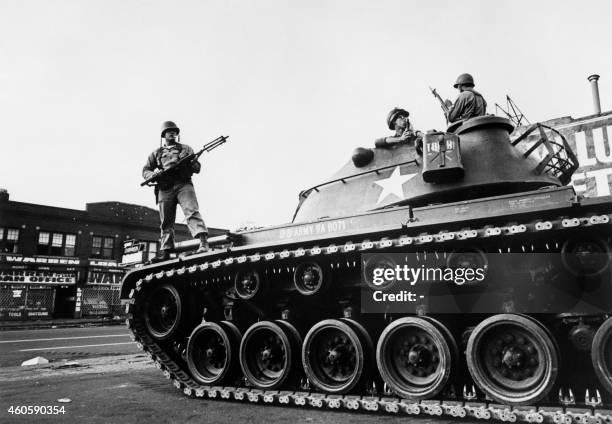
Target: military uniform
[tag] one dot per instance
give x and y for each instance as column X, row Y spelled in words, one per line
column 413, row 137
column 382, row 142
column 175, row 189
column 469, row 104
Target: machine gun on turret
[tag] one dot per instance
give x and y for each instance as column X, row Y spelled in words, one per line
column 155, row 178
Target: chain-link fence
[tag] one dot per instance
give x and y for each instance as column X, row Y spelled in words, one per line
column 21, row 302
column 101, row 300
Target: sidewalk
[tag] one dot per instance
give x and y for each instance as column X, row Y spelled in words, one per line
column 60, row 323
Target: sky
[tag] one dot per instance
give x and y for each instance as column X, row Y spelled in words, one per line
column 297, row 85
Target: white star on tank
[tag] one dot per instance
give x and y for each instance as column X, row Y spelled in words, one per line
column 393, row 184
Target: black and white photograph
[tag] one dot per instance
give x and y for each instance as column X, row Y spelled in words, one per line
column 326, row 211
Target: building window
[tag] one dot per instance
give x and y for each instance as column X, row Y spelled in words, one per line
column 9, row 240
column 56, row 244
column 70, row 245
column 102, row 247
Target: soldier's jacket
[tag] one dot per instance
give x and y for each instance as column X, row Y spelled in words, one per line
column 382, row 142
column 166, row 156
column 470, row 103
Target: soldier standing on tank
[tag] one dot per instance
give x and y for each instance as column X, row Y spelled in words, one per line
column 397, row 120
column 174, row 189
column 469, row 103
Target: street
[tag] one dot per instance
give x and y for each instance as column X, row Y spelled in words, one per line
column 64, row 343
column 128, row 389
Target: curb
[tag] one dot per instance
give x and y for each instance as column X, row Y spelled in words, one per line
column 34, row 325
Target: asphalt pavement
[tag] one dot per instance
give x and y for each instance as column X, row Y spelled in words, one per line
column 60, row 344
column 128, row 389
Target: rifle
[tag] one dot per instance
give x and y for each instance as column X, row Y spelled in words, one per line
column 154, row 179
column 443, row 104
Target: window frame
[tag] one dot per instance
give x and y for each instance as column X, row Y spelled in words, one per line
column 50, row 248
column 102, row 251
column 5, row 242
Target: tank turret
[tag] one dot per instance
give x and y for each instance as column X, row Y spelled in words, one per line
column 485, row 160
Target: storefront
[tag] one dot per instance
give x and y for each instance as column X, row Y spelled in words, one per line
column 38, row 287
column 100, row 296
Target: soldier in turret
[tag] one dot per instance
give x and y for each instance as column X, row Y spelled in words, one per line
column 397, row 120
column 176, row 188
column 469, row 103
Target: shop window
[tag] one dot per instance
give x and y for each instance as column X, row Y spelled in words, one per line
column 56, row 244
column 102, row 247
column 9, row 240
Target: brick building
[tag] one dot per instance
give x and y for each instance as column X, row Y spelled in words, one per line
column 62, row 263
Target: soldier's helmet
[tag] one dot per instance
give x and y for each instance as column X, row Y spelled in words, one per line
column 465, row 79
column 169, row 125
column 394, row 114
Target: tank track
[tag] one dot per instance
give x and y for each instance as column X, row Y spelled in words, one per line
column 468, row 404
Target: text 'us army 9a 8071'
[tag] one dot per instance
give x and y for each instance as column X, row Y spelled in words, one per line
column 322, row 312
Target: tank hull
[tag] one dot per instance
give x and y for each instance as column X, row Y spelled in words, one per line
column 293, row 293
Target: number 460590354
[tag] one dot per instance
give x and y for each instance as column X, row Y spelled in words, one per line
column 36, row 410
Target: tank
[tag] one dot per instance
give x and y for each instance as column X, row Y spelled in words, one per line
column 321, row 312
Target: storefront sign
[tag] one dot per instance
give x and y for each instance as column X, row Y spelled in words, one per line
column 133, row 246
column 592, row 147
column 39, row 260
column 133, row 252
column 102, row 263
column 37, row 277
column 133, row 258
column 79, row 294
column 37, row 314
column 104, row 277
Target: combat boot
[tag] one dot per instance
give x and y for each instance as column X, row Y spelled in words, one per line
column 203, row 243
column 161, row 256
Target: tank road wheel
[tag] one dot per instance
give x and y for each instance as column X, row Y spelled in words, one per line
column 415, row 356
column 585, row 256
column 248, row 284
column 163, row 311
column 601, row 354
column 212, row 352
column 309, row 279
column 375, row 262
column 269, row 353
column 513, row 359
column 473, row 258
column 336, row 354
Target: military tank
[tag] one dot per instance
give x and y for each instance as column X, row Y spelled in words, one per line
column 289, row 314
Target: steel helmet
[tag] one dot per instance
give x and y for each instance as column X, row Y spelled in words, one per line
column 169, row 125
column 394, row 114
column 465, row 79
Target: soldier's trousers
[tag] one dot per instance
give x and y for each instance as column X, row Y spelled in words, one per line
column 182, row 194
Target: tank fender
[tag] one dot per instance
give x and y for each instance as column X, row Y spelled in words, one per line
column 129, row 282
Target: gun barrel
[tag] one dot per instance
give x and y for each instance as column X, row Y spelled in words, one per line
column 214, row 144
